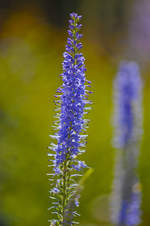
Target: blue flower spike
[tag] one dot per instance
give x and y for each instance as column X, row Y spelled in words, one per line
column 70, row 125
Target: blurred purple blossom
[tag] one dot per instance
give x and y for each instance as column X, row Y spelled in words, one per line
column 127, row 88
column 128, row 123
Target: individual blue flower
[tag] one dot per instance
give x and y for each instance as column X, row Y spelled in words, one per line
column 70, row 126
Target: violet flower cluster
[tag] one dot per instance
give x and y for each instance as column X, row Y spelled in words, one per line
column 128, row 124
column 72, row 105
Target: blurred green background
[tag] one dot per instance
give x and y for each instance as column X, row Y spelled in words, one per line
column 32, row 40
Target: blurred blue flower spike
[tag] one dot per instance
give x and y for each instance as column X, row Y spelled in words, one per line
column 72, row 104
column 127, row 97
column 128, row 123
